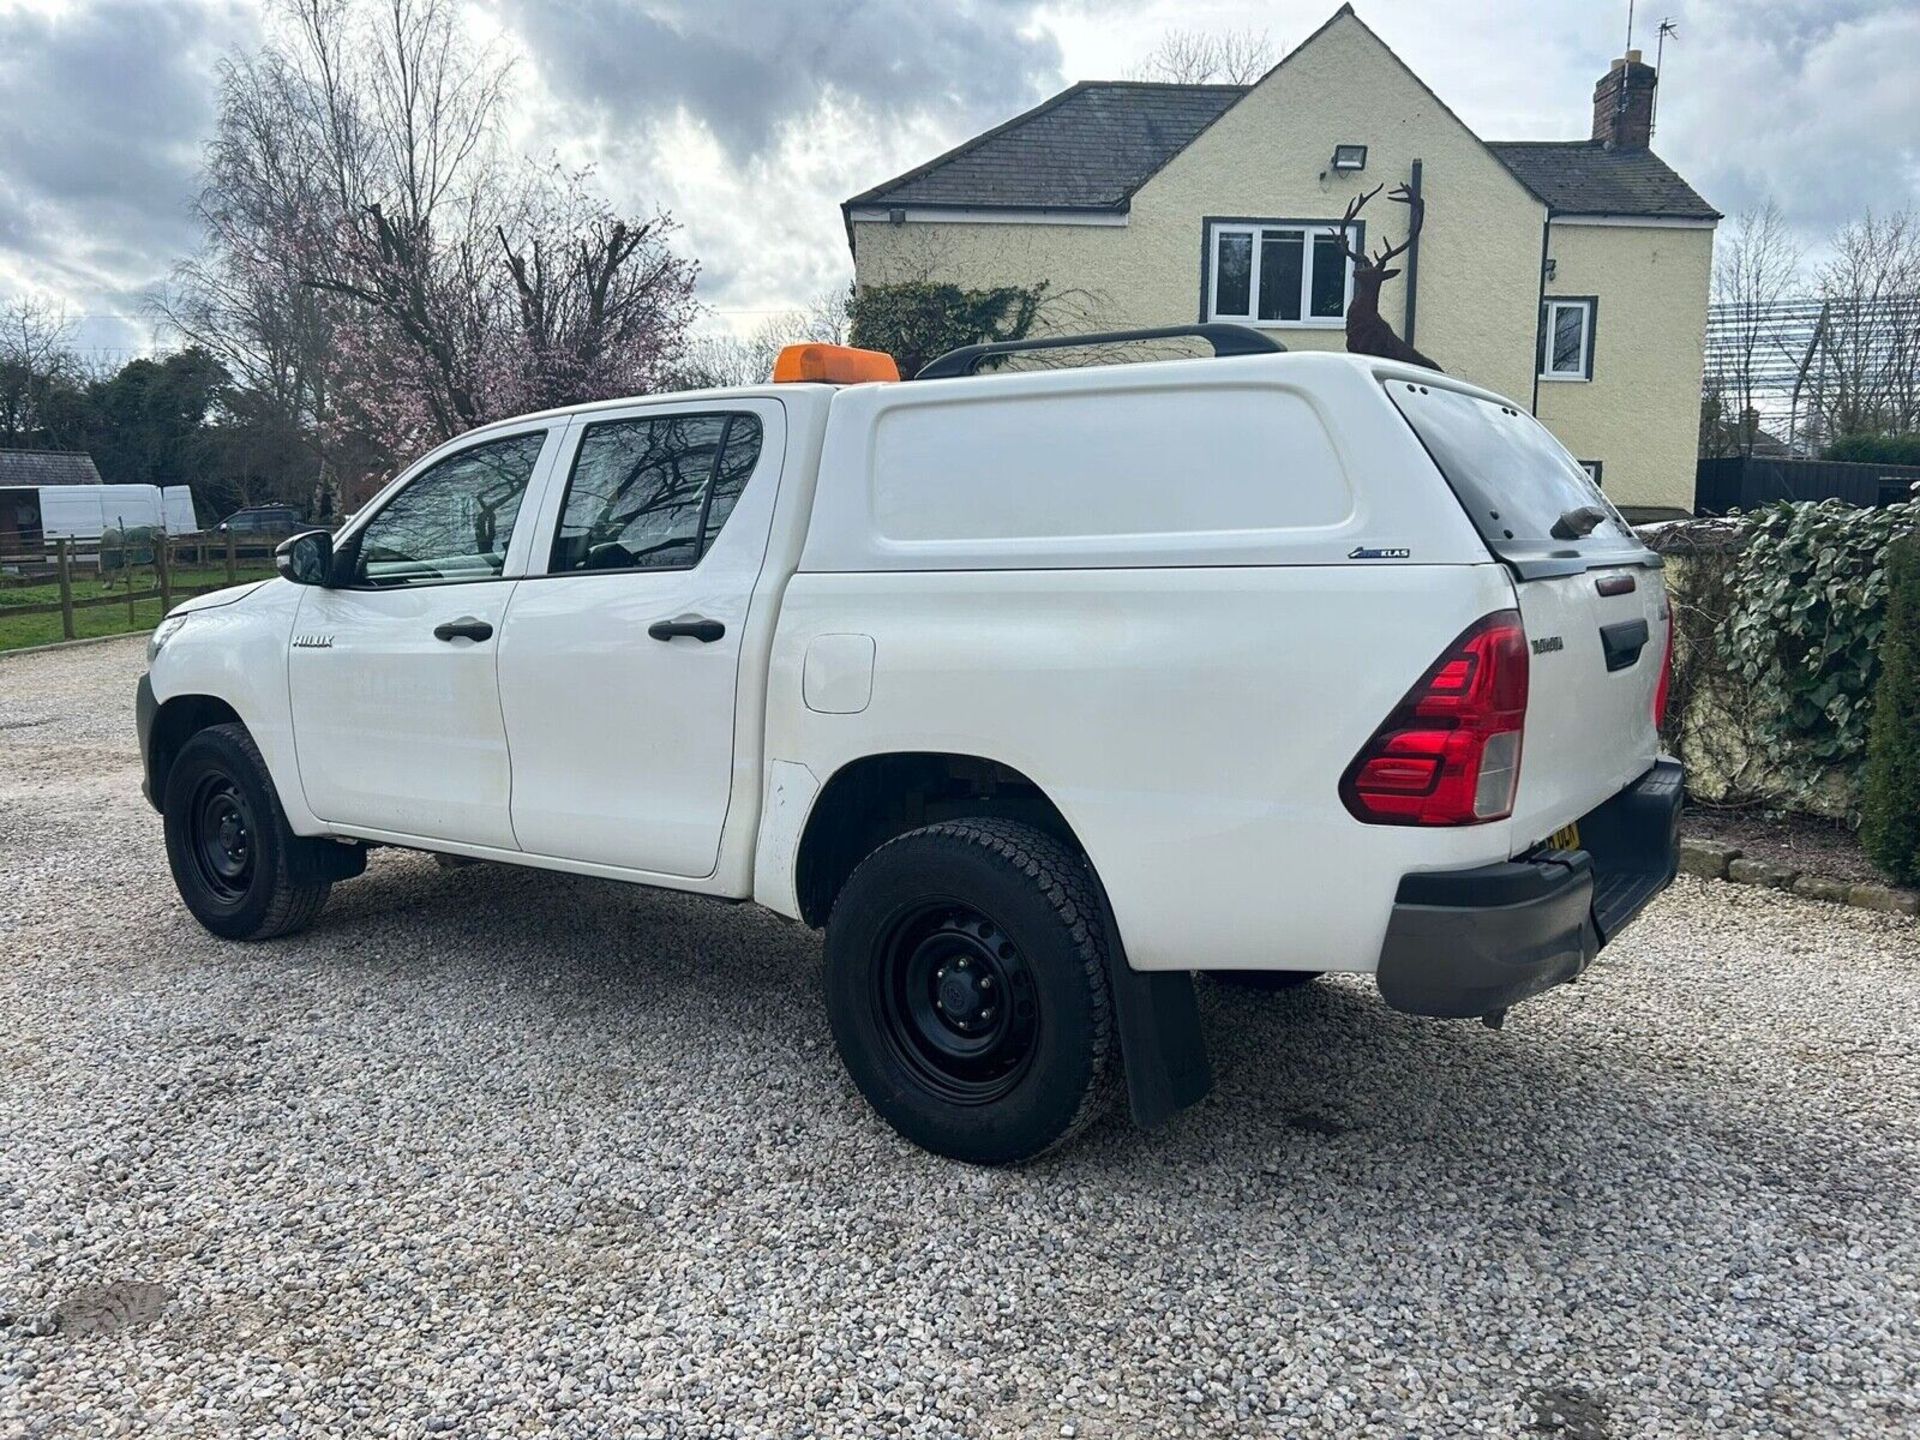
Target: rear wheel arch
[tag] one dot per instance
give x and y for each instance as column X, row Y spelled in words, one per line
column 869, row 801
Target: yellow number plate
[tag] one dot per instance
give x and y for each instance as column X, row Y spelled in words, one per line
column 1567, row 837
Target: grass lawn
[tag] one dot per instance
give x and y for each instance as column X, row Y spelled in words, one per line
column 19, row 630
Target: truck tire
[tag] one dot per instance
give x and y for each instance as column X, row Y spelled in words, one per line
column 966, row 982
column 241, row 870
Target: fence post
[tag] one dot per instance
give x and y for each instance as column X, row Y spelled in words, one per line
column 230, row 555
column 163, row 569
column 66, row 588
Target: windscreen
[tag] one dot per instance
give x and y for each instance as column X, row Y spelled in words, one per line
column 1533, row 503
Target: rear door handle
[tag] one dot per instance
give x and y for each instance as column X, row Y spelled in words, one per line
column 1623, row 642
column 697, row 626
column 467, row 627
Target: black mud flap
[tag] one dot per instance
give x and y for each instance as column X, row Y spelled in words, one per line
column 1162, row 1048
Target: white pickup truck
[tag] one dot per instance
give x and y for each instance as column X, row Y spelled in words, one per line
column 1039, row 690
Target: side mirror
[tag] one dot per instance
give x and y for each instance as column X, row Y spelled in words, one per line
column 306, row 559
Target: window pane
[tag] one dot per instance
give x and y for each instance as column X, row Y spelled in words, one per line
column 736, row 465
column 1329, row 278
column 1282, row 252
column 1569, row 339
column 452, row 522
column 634, row 499
column 1513, row 477
column 1233, row 275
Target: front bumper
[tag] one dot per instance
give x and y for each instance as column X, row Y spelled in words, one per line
column 1472, row 942
column 145, row 707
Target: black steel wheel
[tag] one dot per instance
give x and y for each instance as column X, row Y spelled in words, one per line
column 955, row 1001
column 239, row 867
column 967, row 988
column 220, row 837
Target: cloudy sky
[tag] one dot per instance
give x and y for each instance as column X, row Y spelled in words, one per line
column 751, row 119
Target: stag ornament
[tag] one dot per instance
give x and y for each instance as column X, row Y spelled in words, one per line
column 1367, row 332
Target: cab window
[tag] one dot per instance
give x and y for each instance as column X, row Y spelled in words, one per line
column 653, row 493
column 453, row 520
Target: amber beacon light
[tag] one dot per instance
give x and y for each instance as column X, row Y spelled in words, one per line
column 832, row 365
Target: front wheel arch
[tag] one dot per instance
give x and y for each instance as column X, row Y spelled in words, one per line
column 175, row 722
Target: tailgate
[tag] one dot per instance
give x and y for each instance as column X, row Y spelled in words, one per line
column 1591, row 596
column 1598, row 644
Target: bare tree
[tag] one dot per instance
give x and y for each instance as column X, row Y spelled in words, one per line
column 714, row 360
column 1758, row 266
column 37, row 366
column 380, row 263
column 1868, row 375
column 1201, row 57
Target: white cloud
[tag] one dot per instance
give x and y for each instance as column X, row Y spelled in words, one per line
column 752, row 121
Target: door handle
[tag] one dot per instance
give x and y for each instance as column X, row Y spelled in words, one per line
column 467, row 627
column 1623, row 643
column 697, row 626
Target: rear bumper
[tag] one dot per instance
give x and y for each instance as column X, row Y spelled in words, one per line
column 1472, row 942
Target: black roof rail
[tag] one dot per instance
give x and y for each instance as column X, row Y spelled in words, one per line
column 1226, row 339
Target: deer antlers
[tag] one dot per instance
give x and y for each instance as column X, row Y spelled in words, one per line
column 1400, row 195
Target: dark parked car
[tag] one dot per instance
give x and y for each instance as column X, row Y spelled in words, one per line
column 262, row 520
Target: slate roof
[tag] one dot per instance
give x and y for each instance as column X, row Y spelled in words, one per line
column 1088, row 148
column 1583, row 177
column 1091, row 147
column 47, row 467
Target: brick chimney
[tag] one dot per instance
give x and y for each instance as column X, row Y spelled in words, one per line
column 1623, row 104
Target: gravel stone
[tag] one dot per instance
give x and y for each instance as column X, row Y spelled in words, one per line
column 528, row 1155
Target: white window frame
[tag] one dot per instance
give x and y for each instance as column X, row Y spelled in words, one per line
column 1551, row 307
column 1307, row 230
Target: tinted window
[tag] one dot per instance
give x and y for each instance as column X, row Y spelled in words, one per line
column 453, row 521
column 1513, row 477
column 651, row 494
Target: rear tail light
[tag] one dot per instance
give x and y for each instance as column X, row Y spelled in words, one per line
column 1449, row 754
column 1666, row 677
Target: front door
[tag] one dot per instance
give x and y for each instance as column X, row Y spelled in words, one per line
column 396, row 706
column 619, row 665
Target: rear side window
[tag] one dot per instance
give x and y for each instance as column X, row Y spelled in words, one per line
column 1534, row 504
column 652, row 493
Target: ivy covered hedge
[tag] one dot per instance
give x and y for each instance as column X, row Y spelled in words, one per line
column 918, row 321
column 1891, row 826
column 1780, row 615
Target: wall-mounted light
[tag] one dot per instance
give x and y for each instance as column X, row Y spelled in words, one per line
column 1349, row 157
column 897, row 215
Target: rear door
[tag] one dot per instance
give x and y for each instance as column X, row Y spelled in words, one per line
column 1590, row 594
column 620, row 661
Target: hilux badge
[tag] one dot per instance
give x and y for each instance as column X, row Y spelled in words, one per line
column 313, row 642
column 1391, row 552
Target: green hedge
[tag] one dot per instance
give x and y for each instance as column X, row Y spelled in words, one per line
column 1890, row 808
column 1876, row 449
column 916, row 322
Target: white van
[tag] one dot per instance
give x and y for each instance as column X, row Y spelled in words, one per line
column 1039, row 691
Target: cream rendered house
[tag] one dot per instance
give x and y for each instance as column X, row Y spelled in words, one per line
column 1570, row 275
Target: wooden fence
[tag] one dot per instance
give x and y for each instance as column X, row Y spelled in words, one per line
column 1747, row 482
column 168, row 556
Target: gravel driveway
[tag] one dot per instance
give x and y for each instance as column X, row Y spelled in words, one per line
column 493, row 1152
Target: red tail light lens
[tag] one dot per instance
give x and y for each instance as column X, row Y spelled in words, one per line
column 1666, row 676
column 1449, row 754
